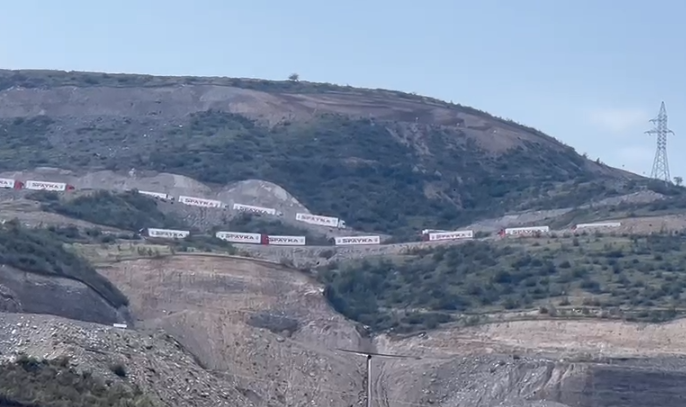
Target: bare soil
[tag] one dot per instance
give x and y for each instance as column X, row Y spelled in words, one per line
column 268, row 327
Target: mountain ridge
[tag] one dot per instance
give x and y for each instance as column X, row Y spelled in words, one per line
column 381, row 160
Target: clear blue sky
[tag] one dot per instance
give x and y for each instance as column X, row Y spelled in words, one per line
column 589, row 72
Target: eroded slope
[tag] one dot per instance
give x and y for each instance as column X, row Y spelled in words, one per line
column 151, row 360
column 43, row 294
column 265, row 325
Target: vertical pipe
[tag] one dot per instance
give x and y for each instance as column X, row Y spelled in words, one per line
column 369, row 380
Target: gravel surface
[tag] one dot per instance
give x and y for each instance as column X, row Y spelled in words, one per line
column 153, row 360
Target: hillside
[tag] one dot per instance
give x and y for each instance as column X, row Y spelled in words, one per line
column 38, row 275
column 94, row 365
column 564, row 319
column 586, row 276
column 267, row 333
column 383, row 161
column 226, row 309
column 265, row 325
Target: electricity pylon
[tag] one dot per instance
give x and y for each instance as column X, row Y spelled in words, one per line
column 661, row 164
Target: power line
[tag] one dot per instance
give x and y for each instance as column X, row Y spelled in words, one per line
column 660, row 169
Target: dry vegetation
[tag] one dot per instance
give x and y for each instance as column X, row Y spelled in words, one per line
column 29, row 382
column 626, row 277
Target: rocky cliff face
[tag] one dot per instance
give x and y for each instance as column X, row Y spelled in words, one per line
column 9, row 301
column 38, row 294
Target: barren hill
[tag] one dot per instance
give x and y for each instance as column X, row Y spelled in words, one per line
column 381, row 160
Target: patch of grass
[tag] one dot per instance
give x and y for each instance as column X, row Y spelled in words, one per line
column 42, row 251
column 254, row 223
column 126, row 210
column 30, row 382
column 637, row 278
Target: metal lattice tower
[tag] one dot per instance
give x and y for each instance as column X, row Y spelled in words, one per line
column 660, row 164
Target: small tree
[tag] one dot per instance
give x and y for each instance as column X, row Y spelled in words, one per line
column 294, row 77
column 678, row 181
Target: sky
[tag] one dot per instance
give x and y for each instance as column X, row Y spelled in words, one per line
column 591, row 73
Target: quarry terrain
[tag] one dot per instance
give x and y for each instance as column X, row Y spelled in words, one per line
column 263, row 335
column 563, row 319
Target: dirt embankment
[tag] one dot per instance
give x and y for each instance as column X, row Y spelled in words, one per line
column 268, row 327
column 603, row 338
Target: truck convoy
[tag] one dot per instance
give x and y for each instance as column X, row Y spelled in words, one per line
column 428, row 235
